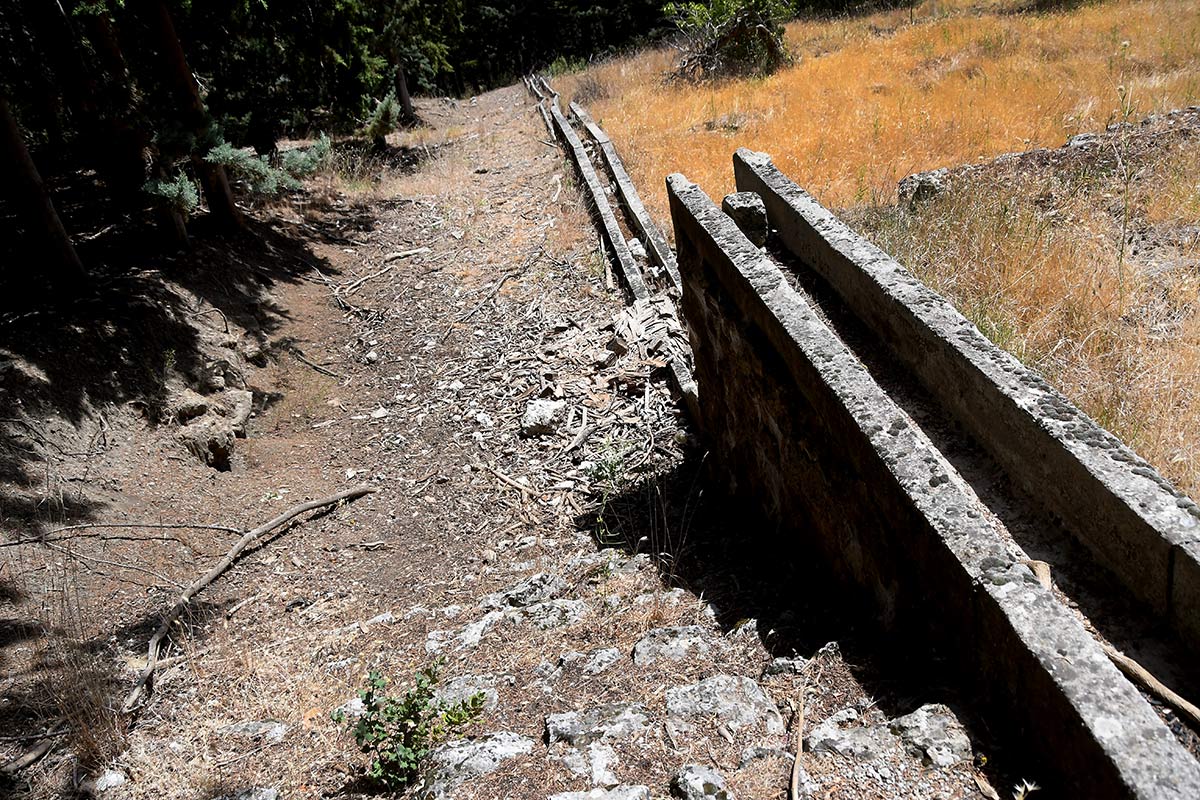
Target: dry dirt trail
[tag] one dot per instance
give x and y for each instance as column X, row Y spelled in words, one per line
column 571, row 568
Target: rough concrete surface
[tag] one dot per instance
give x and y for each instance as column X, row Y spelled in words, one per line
column 1106, row 496
column 799, row 427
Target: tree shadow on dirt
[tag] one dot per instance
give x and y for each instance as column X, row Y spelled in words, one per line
column 746, row 568
column 148, row 315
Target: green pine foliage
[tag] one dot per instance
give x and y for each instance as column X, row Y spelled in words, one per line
column 383, row 120
column 397, row 733
column 177, row 193
column 261, row 175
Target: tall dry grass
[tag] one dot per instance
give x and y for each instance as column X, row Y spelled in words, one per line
column 879, row 96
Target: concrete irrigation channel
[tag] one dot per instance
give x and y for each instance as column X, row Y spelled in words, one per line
column 946, row 487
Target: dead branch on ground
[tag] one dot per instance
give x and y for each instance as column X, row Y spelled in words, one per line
column 145, row 679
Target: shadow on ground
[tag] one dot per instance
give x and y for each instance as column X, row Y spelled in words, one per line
column 746, row 568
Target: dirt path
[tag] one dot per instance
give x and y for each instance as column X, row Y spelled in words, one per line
column 559, row 571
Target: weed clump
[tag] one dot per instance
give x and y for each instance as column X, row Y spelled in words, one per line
column 399, row 732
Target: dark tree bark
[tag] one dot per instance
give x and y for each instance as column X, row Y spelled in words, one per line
column 406, row 103
column 59, row 267
column 178, row 75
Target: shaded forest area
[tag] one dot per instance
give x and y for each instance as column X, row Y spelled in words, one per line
column 114, row 111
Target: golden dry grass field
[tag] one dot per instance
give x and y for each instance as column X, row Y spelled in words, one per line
column 1042, row 262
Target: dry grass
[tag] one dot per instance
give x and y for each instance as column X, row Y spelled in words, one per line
column 876, row 97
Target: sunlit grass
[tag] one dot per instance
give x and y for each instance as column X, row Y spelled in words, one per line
column 876, row 97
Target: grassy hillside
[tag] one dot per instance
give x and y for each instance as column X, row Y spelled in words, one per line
column 1042, row 261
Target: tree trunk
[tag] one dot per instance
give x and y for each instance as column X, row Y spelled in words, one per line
column 122, row 162
column 178, row 75
column 406, row 103
column 59, row 267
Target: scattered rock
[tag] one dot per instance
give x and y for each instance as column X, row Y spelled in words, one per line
column 752, row 754
column 671, row 644
column 542, row 417
column 844, row 734
column 786, row 666
column 464, row 687
column 552, row 613
column 738, row 702
column 595, row 762
column 351, row 709
column 612, row 721
column 109, row 779
column 451, row 765
column 187, row 406
column 623, row 792
column 252, row 793
column 268, row 730
column 698, row 782
column 210, row 439
column 534, row 589
column 467, row 637
column 601, row 660
column 240, row 404
column 934, row 732
column 637, row 249
column 747, row 211
column 922, row 186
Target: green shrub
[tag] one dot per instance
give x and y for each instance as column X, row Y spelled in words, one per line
column 259, row 176
column 731, row 38
column 383, row 120
column 178, row 193
column 398, row 733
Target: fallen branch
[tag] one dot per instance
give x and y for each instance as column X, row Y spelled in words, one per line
column 21, row 762
column 145, row 679
column 1141, row 675
column 299, row 356
column 404, row 254
column 1127, row 665
column 794, row 787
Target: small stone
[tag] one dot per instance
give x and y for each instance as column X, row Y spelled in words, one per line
column 698, row 782
column 922, row 186
column 109, row 779
column 268, row 730
column 738, row 702
column 934, row 732
column 786, row 666
column 451, row 765
column 488, row 556
column 351, row 709
column 464, row 687
column 371, row 357
column 542, row 417
column 752, row 754
column 188, row 405
column 252, row 793
column 636, row 249
column 612, row 721
column 671, row 644
column 844, row 734
column 601, row 660
column 552, row 613
column 747, row 211
column 622, row 792
column 534, row 589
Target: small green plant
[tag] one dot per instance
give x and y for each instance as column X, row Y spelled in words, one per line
column 565, row 66
column 177, row 194
column 399, row 732
column 383, row 120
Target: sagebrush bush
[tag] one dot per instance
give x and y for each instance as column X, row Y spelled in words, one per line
column 177, row 193
column 383, row 120
column 259, row 175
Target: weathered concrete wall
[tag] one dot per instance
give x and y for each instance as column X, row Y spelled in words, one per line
column 1135, row 522
column 797, row 426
